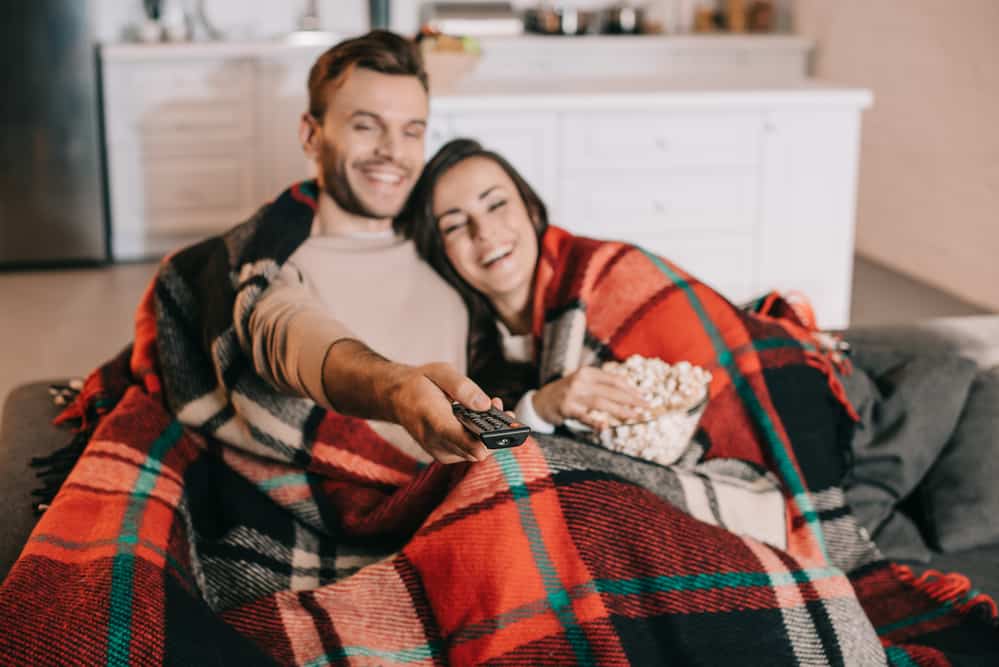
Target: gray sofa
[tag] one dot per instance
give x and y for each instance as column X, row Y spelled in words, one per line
column 28, row 410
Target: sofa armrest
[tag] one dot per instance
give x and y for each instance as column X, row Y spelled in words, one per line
column 974, row 337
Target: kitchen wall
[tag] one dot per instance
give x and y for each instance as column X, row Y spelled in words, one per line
column 929, row 170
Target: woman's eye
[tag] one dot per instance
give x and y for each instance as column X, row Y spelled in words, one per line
column 363, row 128
column 497, row 205
column 415, row 133
column 453, row 227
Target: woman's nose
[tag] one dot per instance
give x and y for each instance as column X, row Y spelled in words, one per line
column 483, row 233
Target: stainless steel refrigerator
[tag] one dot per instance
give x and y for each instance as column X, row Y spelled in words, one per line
column 52, row 195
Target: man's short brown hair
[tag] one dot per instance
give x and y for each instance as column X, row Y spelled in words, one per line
column 379, row 50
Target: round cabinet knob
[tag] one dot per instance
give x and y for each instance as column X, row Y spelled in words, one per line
column 660, row 206
column 662, row 144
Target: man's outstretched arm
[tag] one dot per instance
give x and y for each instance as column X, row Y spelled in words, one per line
column 300, row 348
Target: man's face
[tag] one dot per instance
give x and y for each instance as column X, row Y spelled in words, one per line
column 369, row 145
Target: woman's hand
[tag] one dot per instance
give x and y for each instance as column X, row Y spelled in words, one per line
column 589, row 388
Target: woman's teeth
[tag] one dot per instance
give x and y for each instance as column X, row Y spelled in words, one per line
column 496, row 255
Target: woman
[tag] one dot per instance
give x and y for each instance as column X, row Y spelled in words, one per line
column 546, row 307
column 479, row 224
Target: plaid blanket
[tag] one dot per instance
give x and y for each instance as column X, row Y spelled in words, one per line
column 211, row 520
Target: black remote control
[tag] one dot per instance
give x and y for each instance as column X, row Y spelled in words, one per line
column 495, row 428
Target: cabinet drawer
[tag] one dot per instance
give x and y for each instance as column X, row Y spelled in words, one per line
column 647, row 139
column 208, row 79
column 180, row 101
column 194, row 122
column 654, row 204
column 205, row 196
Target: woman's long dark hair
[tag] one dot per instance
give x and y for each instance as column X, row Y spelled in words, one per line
column 486, row 365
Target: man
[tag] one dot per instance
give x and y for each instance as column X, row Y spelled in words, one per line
column 353, row 280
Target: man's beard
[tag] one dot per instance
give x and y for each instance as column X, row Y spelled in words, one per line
column 336, row 185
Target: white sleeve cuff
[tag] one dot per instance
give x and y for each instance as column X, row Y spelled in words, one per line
column 528, row 416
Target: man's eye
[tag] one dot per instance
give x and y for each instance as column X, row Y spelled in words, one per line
column 416, row 133
column 363, row 128
column 497, row 205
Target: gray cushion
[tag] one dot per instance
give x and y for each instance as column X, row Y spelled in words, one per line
column 27, row 432
column 909, row 405
column 960, row 494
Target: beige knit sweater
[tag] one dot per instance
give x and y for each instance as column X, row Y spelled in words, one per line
column 374, row 288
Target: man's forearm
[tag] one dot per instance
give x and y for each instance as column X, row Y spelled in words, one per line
column 358, row 381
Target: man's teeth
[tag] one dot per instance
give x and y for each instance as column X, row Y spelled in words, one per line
column 382, row 177
column 496, row 255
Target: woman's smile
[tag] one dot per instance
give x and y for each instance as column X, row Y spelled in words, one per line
column 499, row 257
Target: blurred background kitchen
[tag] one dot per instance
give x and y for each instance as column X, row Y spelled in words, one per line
column 846, row 149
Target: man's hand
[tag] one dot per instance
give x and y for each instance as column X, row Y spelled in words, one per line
column 588, row 388
column 361, row 383
column 420, row 400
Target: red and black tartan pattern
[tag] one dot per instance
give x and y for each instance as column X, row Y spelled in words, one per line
column 179, row 539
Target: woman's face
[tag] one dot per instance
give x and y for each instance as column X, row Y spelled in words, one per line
column 487, row 232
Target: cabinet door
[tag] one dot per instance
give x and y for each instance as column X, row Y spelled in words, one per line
column 808, row 202
column 526, row 140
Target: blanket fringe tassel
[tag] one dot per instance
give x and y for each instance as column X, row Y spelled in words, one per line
column 948, row 588
column 52, row 470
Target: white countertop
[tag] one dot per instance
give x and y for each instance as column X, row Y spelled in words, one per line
column 609, row 93
column 128, row 52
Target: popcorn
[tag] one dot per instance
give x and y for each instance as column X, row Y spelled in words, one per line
column 677, row 396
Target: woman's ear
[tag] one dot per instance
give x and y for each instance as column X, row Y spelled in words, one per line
column 309, row 135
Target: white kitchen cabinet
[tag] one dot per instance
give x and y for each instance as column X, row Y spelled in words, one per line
column 749, row 186
column 808, row 199
column 179, row 141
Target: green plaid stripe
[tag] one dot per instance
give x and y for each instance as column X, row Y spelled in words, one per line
column 899, row 656
column 407, row 655
column 646, row 585
column 778, row 449
column 713, row 580
column 69, row 545
column 123, row 567
column 558, row 597
column 778, row 343
column 942, row 610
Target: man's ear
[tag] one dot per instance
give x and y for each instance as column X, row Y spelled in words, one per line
column 308, row 135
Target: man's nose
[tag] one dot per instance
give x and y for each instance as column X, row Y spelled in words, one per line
column 389, row 146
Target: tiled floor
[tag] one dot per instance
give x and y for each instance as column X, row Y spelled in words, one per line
column 62, row 323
